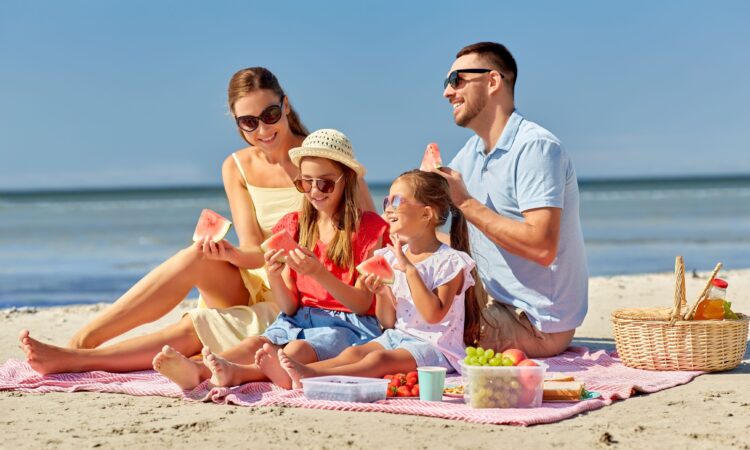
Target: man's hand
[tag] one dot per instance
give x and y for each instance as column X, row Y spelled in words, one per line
column 459, row 193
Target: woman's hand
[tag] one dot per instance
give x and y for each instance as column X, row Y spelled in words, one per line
column 304, row 262
column 217, row 251
column 374, row 284
column 274, row 262
column 402, row 263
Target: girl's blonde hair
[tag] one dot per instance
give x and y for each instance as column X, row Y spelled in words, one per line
column 340, row 249
column 433, row 190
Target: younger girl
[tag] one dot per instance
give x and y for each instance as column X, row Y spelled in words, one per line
column 432, row 303
column 325, row 307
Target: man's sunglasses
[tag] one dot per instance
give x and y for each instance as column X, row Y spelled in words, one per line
column 269, row 116
column 454, row 77
column 305, row 185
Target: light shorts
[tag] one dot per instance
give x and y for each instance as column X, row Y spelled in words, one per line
column 424, row 353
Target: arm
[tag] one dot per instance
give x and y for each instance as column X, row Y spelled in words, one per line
column 535, row 238
column 281, row 283
column 248, row 254
column 385, row 306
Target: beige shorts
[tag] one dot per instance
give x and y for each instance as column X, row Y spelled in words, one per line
column 504, row 327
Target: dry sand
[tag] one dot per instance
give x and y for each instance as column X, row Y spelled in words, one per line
column 711, row 412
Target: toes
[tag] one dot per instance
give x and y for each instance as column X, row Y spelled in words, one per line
column 168, row 351
column 23, row 334
column 205, row 351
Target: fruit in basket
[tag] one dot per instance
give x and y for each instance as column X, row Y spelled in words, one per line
column 403, row 384
column 527, row 362
column 403, row 391
column 728, row 313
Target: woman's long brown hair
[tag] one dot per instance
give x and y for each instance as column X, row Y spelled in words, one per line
column 255, row 78
column 433, row 190
column 340, row 249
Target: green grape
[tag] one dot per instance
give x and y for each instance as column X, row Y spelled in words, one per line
column 480, row 350
column 482, row 360
column 489, row 353
column 473, row 361
column 467, row 360
column 495, row 361
column 471, row 351
column 507, row 361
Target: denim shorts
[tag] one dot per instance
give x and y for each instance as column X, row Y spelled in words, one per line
column 328, row 332
column 424, row 353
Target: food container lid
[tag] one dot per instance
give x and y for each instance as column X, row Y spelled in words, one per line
column 719, row 283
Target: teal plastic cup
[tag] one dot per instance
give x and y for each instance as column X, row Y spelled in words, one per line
column 431, row 383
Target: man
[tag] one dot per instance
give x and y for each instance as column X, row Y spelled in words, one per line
column 517, row 187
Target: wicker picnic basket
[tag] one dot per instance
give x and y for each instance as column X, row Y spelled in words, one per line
column 668, row 338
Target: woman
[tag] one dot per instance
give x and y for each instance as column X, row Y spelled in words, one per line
column 258, row 181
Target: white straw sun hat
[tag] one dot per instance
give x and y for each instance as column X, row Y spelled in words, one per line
column 330, row 144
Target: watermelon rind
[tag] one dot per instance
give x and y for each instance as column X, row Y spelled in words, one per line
column 219, row 234
column 429, row 159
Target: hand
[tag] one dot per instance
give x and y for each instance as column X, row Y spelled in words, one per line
column 459, row 193
column 402, row 263
column 274, row 263
column 304, row 262
column 217, row 251
column 374, row 284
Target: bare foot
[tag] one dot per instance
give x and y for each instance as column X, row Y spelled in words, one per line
column 46, row 358
column 267, row 358
column 223, row 373
column 173, row 365
column 296, row 371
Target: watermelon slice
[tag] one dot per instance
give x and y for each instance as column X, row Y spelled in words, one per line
column 281, row 240
column 211, row 224
column 432, row 159
column 379, row 266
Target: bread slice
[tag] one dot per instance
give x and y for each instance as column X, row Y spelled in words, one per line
column 569, row 391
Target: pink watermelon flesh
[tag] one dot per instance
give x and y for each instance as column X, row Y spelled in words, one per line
column 281, row 240
column 211, row 224
column 432, row 159
column 379, row 266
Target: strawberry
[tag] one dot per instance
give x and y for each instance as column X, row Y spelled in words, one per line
column 403, row 391
column 411, row 380
column 391, row 392
column 412, row 374
column 415, row 391
column 395, row 382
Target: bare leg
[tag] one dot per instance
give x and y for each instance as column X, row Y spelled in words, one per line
column 161, row 290
column 227, row 373
column 375, row 364
column 132, row 354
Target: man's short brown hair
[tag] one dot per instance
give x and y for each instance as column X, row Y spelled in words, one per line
column 497, row 56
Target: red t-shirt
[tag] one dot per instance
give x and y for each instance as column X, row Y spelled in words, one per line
column 371, row 228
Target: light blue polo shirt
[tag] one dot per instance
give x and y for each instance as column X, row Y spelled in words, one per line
column 528, row 169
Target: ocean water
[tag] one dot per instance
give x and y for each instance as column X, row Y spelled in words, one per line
column 61, row 248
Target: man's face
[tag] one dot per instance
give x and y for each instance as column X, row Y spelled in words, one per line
column 470, row 96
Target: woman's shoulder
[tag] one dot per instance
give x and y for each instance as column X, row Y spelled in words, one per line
column 234, row 162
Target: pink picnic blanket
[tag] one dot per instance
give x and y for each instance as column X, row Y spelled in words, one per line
column 601, row 371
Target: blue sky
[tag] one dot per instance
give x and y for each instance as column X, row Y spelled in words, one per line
column 133, row 93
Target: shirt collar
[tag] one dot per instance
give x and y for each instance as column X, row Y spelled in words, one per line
column 508, row 135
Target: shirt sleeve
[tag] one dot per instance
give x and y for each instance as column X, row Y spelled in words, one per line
column 541, row 175
column 451, row 266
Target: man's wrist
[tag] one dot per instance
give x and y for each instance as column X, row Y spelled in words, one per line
column 465, row 203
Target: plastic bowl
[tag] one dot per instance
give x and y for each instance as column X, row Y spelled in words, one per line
column 503, row 386
column 345, row 389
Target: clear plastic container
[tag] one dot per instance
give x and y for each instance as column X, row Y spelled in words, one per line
column 504, row 386
column 345, row 389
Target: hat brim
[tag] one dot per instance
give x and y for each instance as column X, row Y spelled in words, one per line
column 296, row 154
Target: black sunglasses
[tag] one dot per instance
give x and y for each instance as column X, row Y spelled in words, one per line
column 269, row 116
column 305, row 185
column 454, row 78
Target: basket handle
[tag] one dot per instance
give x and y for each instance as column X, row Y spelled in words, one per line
column 689, row 315
column 679, row 290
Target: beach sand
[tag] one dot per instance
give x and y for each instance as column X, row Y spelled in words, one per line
column 711, row 412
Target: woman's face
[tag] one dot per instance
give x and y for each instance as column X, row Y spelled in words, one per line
column 267, row 136
column 406, row 216
column 319, row 172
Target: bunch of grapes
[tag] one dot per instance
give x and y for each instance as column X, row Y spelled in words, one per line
column 481, row 357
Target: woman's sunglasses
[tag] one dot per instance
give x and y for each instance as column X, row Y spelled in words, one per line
column 305, row 185
column 269, row 116
column 455, row 77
